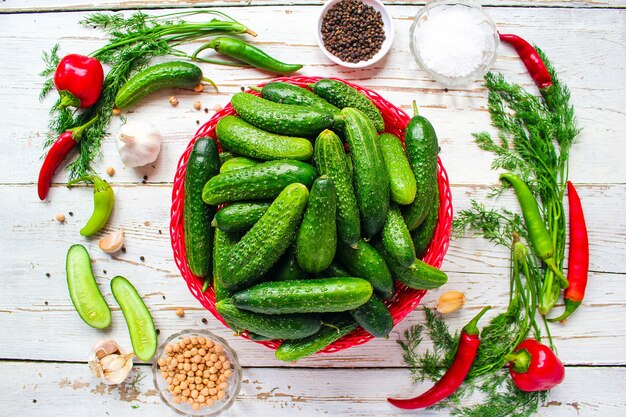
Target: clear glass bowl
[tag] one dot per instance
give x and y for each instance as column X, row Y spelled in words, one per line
column 219, row 406
column 489, row 54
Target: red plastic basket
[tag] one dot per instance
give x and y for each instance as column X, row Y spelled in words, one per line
column 405, row 299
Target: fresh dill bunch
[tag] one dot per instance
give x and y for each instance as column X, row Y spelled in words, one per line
column 51, row 60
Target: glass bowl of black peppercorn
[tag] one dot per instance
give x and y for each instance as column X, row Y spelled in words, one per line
column 355, row 33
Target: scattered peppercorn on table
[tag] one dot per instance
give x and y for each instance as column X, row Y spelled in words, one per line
column 46, row 345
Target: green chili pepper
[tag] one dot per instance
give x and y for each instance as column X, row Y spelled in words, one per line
column 103, row 199
column 538, row 233
column 245, row 52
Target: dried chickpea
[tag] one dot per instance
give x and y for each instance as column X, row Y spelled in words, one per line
column 195, row 406
column 173, row 101
column 190, row 401
column 202, row 340
column 184, row 385
column 204, row 392
column 218, row 365
column 180, row 377
column 209, row 402
column 110, row 171
column 194, row 394
column 201, row 352
column 213, row 377
column 221, row 395
column 194, row 340
column 194, row 351
column 197, row 105
column 212, row 391
column 228, row 373
column 176, row 400
column 201, row 398
column 187, row 340
column 169, row 380
column 186, row 392
column 211, row 384
column 168, row 348
column 210, row 343
column 214, row 358
column 222, row 386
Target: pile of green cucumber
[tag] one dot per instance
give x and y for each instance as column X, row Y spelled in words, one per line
column 312, row 239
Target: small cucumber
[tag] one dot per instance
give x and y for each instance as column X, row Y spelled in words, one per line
column 419, row 276
column 401, row 179
column 245, row 139
column 316, row 242
column 287, row 268
column 265, row 180
column 365, row 262
column 331, row 160
column 342, row 96
column 318, row 295
column 225, row 156
column 275, row 326
column 233, row 164
column 336, row 270
column 374, row 317
column 173, row 74
column 222, row 245
column 202, row 165
column 423, row 235
column 370, row 175
column 336, row 328
column 143, row 335
column 284, row 119
column 422, row 149
column 240, row 216
column 268, row 239
column 286, row 93
column 396, row 238
column 86, row 297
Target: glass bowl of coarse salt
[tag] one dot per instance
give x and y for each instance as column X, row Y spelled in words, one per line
column 455, row 42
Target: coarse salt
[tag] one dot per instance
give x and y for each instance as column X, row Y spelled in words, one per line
column 454, row 40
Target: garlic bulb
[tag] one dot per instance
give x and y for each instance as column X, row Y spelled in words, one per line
column 138, row 143
column 112, row 242
column 109, row 363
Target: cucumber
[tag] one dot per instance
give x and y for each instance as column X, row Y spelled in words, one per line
column 342, row 96
column 225, row 156
column 423, row 235
column 173, row 74
column 331, row 160
column 240, row 216
column 239, row 162
column 365, row 262
column 202, row 165
column 370, row 175
column 419, row 276
column 143, row 335
column 285, row 93
column 86, row 297
column 268, row 239
column 265, row 180
column 287, row 268
column 285, row 119
column 316, row 242
column 401, row 179
column 336, row 270
column 222, row 245
column 319, row 295
column 245, row 139
column 374, row 317
column 396, row 238
column 422, row 149
column 276, row 326
column 336, row 328
column 257, row 337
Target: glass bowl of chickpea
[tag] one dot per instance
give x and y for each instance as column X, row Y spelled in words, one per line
column 197, row 373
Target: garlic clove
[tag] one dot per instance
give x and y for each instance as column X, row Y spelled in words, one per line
column 108, row 363
column 450, row 301
column 115, row 377
column 104, row 348
column 112, row 242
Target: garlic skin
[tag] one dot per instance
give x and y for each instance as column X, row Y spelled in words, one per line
column 450, row 301
column 108, row 363
column 112, row 242
column 138, row 143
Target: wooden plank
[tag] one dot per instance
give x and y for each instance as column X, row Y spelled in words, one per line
column 34, row 389
column 455, row 113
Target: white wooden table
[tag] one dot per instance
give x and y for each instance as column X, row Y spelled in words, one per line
column 44, row 343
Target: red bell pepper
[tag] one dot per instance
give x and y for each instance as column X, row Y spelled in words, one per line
column 79, row 80
column 535, row 367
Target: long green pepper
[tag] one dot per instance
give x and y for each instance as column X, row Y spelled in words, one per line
column 103, row 199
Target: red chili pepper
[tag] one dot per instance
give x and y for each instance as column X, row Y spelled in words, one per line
column 533, row 63
column 57, row 153
column 454, row 376
column 578, row 259
column 78, row 79
column 534, row 367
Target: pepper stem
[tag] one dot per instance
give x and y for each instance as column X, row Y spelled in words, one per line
column 471, row 328
column 68, row 100
column 520, row 359
column 77, row 132
column 210, row 82
column 82, row 178
column 415, row 111
column 557, row 272
column 570, row 307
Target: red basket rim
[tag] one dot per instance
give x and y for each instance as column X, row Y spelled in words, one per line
column 405, row 299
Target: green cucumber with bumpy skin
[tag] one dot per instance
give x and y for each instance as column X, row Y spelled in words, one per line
column 139, row 321
column 318, row 295
column 274, row 326
column 401, row 179
column 239, row 162
column 245, row 139
column 226, row 156
column 285, row 93
column 336, row 270
column 222, row 245
column 365, row 262
column 334, row 329
column 268, row 239
column 284, row 119
column 316, row 242
column 262, row 181
column 422, row 149
column 86, row 297
column 370, row 175
column 203, row 164
column 342, row 96
column 423, row 235
column 397, row 239
column 287, row 268
column 374, row 317
column 419, row 276
column 240, row 216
